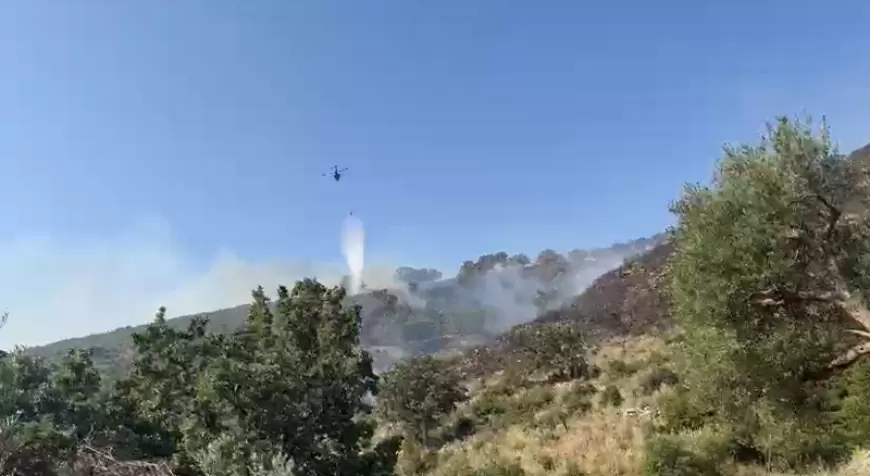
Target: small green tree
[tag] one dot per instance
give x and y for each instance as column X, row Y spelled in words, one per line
column 854, row 408
column 154, row 402
column 77, row 384
column 558, row 347
column 611, row 396
column 45, row 411
column 418, row 393
column 295, row 386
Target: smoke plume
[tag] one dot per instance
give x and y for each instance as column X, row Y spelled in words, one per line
column 58, row 288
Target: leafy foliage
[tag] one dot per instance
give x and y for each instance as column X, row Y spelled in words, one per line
column 768, row 276
column 611, row 396
column 854, row 411
column 418, row 394
column 558, row 347
column 286, row 394
column 668, row 456
column 657, row 377
column 47, row 411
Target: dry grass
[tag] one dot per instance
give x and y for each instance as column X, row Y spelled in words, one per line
column 630, row 350
column 858, row 466
column 600, row 443
column 604, row 441
column 100, row 462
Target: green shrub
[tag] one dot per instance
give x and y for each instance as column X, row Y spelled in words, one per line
column 552, row 419
column 521, row 409
column 500, row 410
column 415, row 459
column 577, row 400
column 419, row 394
column 659, row 376
column 594, row 371
column 680, row 412
column 666, row 455
column 533, row 400
column 32, row 448
column 675, row 339
column 619, row 368
column 657, row 359
column 458, row 427
column 781, row 440
column 791, row 443
column 499, row 468
column 488, row 406
column 557, row 348
column 713, row 443
column 547, row 462
column 462, row 428
column 572, row 469
column 508, row 384
column 853, row 415
column 228, row 455
column 611, row 396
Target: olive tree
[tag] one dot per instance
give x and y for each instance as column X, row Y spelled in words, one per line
column 769, row 276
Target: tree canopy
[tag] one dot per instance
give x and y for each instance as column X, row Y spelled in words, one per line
column 418, row 393
column 769, row 278
column 291, row 387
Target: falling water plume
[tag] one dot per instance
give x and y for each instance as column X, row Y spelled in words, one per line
column 353, row 237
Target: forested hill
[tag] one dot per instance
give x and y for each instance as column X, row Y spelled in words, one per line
column 424, row 312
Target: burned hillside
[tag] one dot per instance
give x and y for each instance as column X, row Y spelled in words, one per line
column 487, row 297
column 628, row 300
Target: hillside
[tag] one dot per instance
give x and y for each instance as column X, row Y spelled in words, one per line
column 761, row 272
column 424, row 313
column 623, row 301
column 627, row 301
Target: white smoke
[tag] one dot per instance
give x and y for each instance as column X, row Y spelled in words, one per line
column 353, row 237
column 59, row 288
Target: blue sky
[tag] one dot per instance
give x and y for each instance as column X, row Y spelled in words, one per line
column 167, row 152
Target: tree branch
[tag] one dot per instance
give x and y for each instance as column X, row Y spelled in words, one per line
column 851, row 355
column 859, row 333
column 840, row 296
column 859, row 313
column 835, row 214
column 851, row 306
column 779, row 297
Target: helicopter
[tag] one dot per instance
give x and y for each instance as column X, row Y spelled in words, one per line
column 336, row 173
